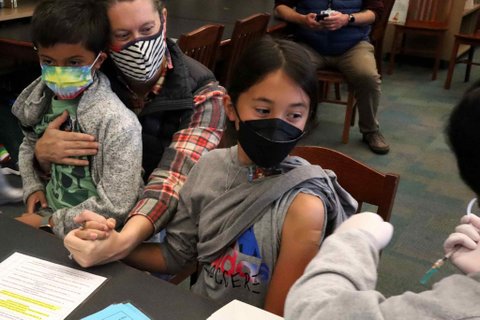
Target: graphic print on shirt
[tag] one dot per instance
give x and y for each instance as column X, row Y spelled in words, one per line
column 241, row 266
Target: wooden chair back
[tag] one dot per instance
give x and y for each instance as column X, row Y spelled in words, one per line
column 429, row 11
column 202, row 44
column 377, row 33
column 364, row 183
column 477, row 25
column 244, row 33
column 472, row 40
column 427, row 18
column 20, row 51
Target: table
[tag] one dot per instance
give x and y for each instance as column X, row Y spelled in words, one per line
column 156, row 298
column 15, row 43
column 24, row 10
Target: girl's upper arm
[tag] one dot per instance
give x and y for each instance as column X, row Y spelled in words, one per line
column 301, row 235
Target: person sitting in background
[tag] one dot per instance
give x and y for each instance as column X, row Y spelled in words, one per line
column 340, row 280
column 70, row 37
column 179, row 105
column 250, row 216
column 336, row 33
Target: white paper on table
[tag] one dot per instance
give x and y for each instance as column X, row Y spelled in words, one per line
column 32, row 288
column 236, row 310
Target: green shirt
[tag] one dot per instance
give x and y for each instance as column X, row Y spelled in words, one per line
column 69, row 185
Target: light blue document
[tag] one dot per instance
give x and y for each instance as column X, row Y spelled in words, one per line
column 119, row 311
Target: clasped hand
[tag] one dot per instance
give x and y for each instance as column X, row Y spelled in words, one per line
column 93, row 226
column 92, row 243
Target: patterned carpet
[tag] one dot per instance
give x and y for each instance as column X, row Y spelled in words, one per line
column 431, row 197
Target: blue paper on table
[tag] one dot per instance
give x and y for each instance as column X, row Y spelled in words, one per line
column 119, row 311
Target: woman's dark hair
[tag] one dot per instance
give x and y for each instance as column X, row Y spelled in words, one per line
column 71, row 21
column 268, row 55
column 463, row 132
column 159, row 4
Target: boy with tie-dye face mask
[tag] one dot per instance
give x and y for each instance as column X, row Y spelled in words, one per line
column 71, row 37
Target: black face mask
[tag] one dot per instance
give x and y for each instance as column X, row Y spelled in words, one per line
column 268, row 141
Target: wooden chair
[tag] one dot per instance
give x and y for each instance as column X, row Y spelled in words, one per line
column 336, row 78
column 18, row 51
column 244, row 33
column 364, row 183
column 472, row 40
column 426, row 18
column 202, row 44
column 18, row 64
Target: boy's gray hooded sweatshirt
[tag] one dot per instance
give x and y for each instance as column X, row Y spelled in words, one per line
column 115, row 169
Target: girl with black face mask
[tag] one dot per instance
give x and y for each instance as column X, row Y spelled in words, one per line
column 251, row 216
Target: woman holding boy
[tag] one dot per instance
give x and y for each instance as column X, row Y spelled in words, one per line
column 178, row 103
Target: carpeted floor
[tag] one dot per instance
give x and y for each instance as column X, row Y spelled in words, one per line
column 431, row 197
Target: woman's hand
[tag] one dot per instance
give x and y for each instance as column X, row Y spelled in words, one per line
column 88, row 249
column 35, row 199
column 88, row 253
column 61, row 147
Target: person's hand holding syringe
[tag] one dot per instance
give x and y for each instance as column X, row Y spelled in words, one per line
column 461, row 247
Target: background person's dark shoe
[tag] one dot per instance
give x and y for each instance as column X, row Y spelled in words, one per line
column 376, row 142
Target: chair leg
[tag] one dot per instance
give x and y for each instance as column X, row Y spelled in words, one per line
column 354, row 112
column 326, row 89
column 348, row 116
column 393, row 51
column 337, row 92
column 438, row 53
column 320, row 91
column 451, row 64
column 471, row 52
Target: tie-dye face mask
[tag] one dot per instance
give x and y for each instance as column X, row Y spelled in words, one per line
column 68, row 82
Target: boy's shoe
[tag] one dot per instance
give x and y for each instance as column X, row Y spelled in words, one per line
column 9, row 167
column 10, row 195
column 376, row 142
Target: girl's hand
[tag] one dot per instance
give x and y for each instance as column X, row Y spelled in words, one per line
column 32, row 219
column 94, row 226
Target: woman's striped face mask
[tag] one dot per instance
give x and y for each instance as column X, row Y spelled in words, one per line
column 141, row 58
column 68, row 82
